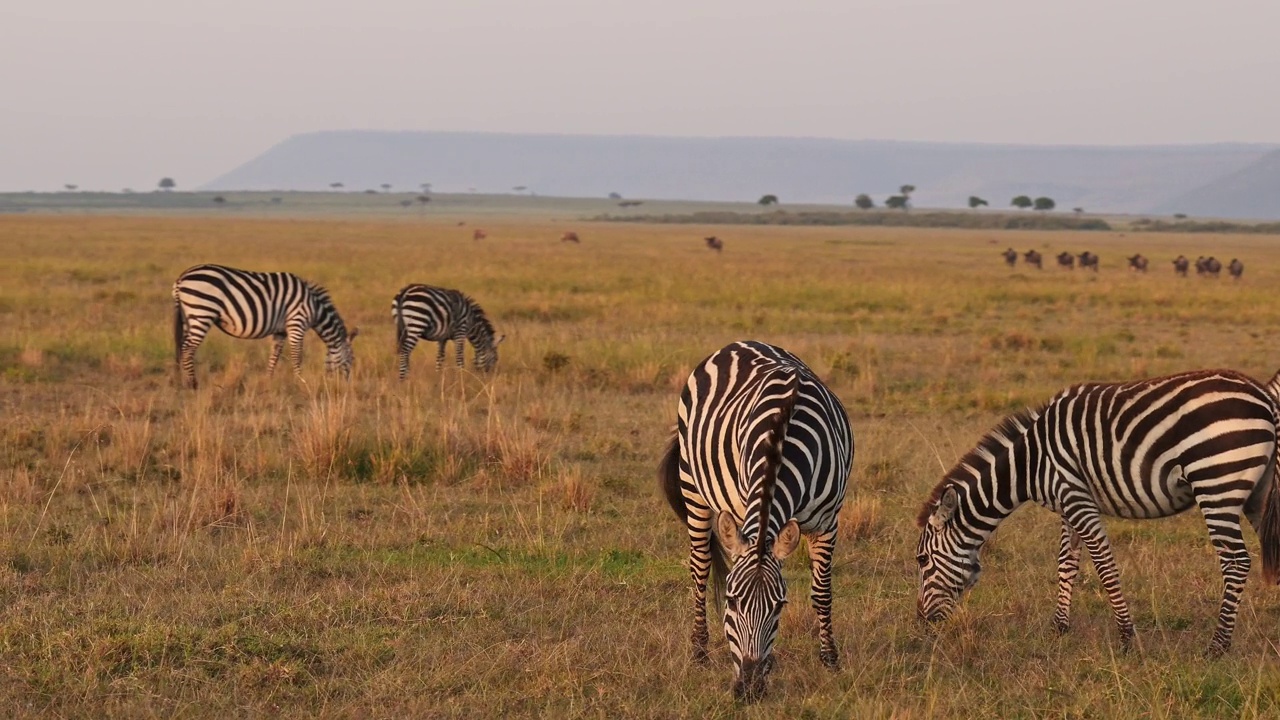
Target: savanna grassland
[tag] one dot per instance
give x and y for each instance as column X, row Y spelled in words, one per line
column 466, row 546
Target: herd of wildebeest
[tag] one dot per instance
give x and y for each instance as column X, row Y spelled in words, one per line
column 1205, row 266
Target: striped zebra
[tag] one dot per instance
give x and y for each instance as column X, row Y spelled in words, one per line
column 1145, row 449
column 761, row 454
column 423, row 312
column 254, row 305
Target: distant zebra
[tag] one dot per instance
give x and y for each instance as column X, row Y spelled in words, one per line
column 570, row 236
column 1088, row 261
column 479, row 234
column 1066, row 260
column 1236, row 268
column 714, row 243
column 1180, row 265
column 1010, row 257
column 254, row 305
column 423, row 312
column 761, row 454
column 1031, row 257
column 1143, row 449
column 1138, row 263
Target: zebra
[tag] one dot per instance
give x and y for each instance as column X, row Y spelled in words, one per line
column 760, row 455
column 423, row 312
column 1032, row 257
column 253, row 305
column 1010, row 257
column 1236, row 268
column 1138, row 263
column 1180, row 265
column 1143, row 449
column 1066, row 260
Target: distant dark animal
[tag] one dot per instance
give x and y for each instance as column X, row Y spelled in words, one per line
column 714, row 243
column 479, row 234
column 1088, row 261
column 251, row 306
column 1010, row 257
column 1137, row 263
column 1031, row 257
column 1208, row 266
column 423, row 312
column 1066, row 260
column 570, row 236
column 1180, row 265
column 1236, row 268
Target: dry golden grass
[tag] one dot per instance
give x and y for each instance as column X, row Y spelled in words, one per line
column 469, row 546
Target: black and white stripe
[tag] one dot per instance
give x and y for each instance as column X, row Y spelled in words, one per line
column 254, row 305
column 1145, row 449
column 423, row 312
column 761, row 454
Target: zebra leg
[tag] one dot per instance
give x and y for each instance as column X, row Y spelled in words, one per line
column 1228, row 540
column 277, row 345
column 1087, row 523
column 460, row 341
column 700, row 549
column 295, row 334
column 821, row 549
column 440, row 355
column 197, row 329
column 1068, row 569
column 406, row 348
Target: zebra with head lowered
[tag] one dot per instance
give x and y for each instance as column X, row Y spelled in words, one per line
column 1144, row 449
column 423, row 312
column 760, row 455
column 253, row 305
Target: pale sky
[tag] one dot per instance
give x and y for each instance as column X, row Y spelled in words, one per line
column 117, row 94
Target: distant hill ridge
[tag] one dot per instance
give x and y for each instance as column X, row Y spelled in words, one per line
column 1132, row 179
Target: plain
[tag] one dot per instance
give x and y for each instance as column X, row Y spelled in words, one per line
column 470, row 546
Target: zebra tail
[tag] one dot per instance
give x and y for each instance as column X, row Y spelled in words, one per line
column 669, row 481
column 400, row 330
column 179, row 329
column 1269, row 530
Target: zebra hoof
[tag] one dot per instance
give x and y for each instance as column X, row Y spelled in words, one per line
column 700, row 656
column 1217, row 649
column 830, row 658
column 1127, row 642
column 1062, row 627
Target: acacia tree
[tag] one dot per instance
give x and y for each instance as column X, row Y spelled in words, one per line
column 976, row 202
column 167, row 184
column 1044, row 203
column 1022, row 202
column 896, row 202
column 336, row 185
column 386, row 187
column 767, row 200
column 70, row 187
column 864, row 202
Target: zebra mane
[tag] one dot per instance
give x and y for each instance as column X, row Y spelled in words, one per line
column 480, row 321
column 994, row 443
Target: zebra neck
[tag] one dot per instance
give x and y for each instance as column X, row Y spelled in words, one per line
column 996, row 480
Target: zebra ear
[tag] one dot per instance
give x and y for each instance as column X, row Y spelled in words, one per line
column 788, row 540
column 726, row 529
column 946, row 508
column 499, row 340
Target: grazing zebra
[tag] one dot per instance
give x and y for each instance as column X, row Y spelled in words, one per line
column 1088, row 260
column 760, row 455
column 1180, row 265
column 1066, row 260
column 423, row 312
column 1010, row 257
column 479, row 234
column 1144, row 449
column 714, row 243
column 1236, row 268
column 1137, row 263
column 570, row 236
column 254, row 305
column 1031, row 257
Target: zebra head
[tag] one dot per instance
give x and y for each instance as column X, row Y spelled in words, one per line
column 340, row 357
column 754, row 596
column 948, row 559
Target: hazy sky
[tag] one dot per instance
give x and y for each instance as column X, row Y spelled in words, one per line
column 116, row 94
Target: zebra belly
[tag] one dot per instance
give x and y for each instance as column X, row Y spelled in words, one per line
column 1144, row 498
